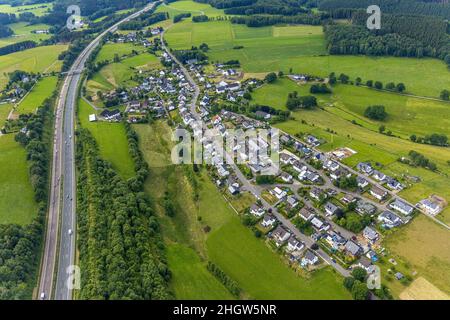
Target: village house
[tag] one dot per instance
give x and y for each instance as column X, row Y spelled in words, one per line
column 365, row 168
column 363, row 207
column 362, row 183
column 331, row 209
column 380, row 176
column 268, row 221
column 309, row 259
column 389, row 220
column 370, row 234
column 378, row 193
column 365, row 263
column 319, row 224
column 306, row 213
column 257, row 211
column 402, row 207
column 429, row 206
column 286, row 177
column 335, row 240
column 294, row 244
column 292, row 202
column 353, row 249
column 280, row 235
column 395, row 185
column 278, row 193
column 113, row 115
column 315, row 193
column 348, row 198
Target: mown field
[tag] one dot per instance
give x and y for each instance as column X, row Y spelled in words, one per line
column 22, row 32
column 301, row 48
column 40, row 59
column 42, row 90
column 17, row 204
column 111, row 139
column 425, row 245
column 247, row 260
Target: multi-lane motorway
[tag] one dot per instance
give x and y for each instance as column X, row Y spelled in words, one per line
column 59, row 249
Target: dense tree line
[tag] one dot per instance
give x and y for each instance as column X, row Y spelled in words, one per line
column 319, row 88
column 181, row 16
column 270, row 20
column 252, row 7
column 19, row 245
column 15, row 47
column 401, row 36
column 435, row 139
column 410, row 7
column 194, row 54
column 5, row 31
column 121, row 250
column 231, row 285
column 144, row 20
column 419, row 160
column 200, row 18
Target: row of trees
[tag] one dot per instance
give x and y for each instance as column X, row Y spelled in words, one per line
column 144, row 20
column 19, row 245
column 15, row 47
column 270, row 20
column 434, row 139
column 419, row 160
column 181, row 16
column 121, row 250
column 231, row 285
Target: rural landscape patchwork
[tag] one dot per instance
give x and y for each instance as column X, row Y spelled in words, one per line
column 102, row 107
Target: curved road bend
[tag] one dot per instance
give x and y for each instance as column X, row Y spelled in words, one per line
column 63, row 167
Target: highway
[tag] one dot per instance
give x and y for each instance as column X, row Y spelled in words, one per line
column 59, row 247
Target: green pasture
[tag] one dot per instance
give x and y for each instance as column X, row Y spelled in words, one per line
column 41, row 91
column 22, row 32
column 38, row 9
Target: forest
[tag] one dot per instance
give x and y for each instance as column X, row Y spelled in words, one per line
column 121, row 250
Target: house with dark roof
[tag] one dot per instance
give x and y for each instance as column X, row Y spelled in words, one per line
column 378, row 193
column 353, row 249
column 389, row 220
column 370, row 234
column 331, row 208
column 280, row 235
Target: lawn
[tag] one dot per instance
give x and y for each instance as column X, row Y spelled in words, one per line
column 189, row 6
column 40, row 59
column 190, row 278
column 42, row 90
column 111, row 139
column 17, row 204
column 22, row 32
column 425, row 245
column 4, row 112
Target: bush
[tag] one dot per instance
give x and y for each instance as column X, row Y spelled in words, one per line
column 376, row 112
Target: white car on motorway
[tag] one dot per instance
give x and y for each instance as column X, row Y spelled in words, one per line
column 42, row 295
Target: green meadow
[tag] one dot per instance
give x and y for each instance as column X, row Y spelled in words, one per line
column 302, row 49
column 111, row 139
column 4, row 112
column 17, row 204
column 40, row 59
column 38, row 9
column 109, row 50
column 42, row 90
column 260, row 272
column 22, row 32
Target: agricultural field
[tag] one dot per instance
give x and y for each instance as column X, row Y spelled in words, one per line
column 109, row 50
column 39, row 9
column 189, row 6
column 230, row 245
column 17, row 204
column 42, row 90
column 425, row 245
column 23, row 32
column 111, row 139
column 40, row 59
column 301, row 48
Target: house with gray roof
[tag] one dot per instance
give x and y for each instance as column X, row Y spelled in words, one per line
column 353, row 249
column 331, row 208
column 370, row 234
column 389, row 219
column 402, row 207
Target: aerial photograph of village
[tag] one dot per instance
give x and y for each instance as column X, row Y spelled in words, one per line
column 232, row 150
